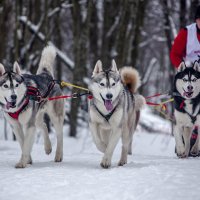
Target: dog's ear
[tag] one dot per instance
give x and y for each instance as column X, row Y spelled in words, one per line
column 98, row 68
column 2, row 69
column 16, row 68
column 181, row 67
column 196, row 66
column 114, row 66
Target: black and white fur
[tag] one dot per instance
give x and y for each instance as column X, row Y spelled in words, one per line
column 114, row 110
column 13, row 92
column 187, row 108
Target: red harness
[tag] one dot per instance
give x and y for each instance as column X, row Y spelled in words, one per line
column 15, row 115
column 31, row 94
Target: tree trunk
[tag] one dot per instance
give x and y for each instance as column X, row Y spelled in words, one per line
column 183, row 12
column 122, row 33
column 140, row 13
column 4, row 17
column 81, row 34
column 110, row 24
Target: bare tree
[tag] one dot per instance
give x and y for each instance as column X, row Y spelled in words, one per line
column 81, row 29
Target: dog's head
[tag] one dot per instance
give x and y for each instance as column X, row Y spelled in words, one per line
column 106, row 84
column 187, row 80
column 12, row 87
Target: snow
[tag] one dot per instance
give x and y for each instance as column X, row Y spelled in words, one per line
column 153, row 171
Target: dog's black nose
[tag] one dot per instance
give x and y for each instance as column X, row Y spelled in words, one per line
column 13, row 97
column 190, row 87
column 109, row 96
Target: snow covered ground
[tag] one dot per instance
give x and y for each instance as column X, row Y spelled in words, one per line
column 153, row 171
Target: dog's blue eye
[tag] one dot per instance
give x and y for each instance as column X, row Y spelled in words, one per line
column 6, row 86
column 102, row 84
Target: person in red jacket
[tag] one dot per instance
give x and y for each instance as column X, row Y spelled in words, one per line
column 186, row 45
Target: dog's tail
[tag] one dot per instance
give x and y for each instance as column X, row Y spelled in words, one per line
column 47, row 60
column 130, row 78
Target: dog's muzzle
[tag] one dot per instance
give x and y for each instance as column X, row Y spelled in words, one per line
column 108, row 102
column 12, row 102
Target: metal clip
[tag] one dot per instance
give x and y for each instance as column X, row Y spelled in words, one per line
column 75, row 95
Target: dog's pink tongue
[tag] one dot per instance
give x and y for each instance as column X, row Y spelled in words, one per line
column 108, row 105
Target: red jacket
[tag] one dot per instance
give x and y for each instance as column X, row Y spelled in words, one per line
column 178, row 50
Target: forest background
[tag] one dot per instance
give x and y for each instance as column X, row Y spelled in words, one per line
column 136, row 33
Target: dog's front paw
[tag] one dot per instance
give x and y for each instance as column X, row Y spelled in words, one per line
column 30, row 161
column 20, row 165
column 58, row 157
column 183, row 155
column 122, row 162
column 47, row 146
column 25, row 159
column 180, row 152
column 105, row 163
column 48, row 149
column 194, row 151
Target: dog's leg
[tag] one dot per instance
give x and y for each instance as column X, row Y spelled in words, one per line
column 195, row 148
column 180, row 148
column 27, row 147
column 113, row 140
column 17, row 129
column 104, row 137
column 96, row 137
column 198, row 142
column 125, row 146
column 40, row 124
column 133, row 124
column 187, row 132
column 58, row 125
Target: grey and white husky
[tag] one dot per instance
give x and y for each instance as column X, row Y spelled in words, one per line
column 114, row 109
column 18, row 94
column 187, row 109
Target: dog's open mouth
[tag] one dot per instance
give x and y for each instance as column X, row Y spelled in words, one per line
column 10, row 104
column 188, row 94
column 108, row 103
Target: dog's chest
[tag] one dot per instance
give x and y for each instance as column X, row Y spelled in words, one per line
column 189, row 115
column 191, row 110
column 114, row 119
column 25, row 116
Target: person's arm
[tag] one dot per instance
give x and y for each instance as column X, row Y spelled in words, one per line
column 178, row 49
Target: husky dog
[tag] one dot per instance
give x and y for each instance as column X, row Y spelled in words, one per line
column 24, row 114
column 114, row 109
column 187, row 109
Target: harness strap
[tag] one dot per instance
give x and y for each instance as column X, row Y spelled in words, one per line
column 182, row 104
column 15, row 115
column 109, row 115
column 50, row 87
column 193, row 118
column 35, row 95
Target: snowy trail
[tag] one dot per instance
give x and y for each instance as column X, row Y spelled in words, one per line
column 153, row 173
